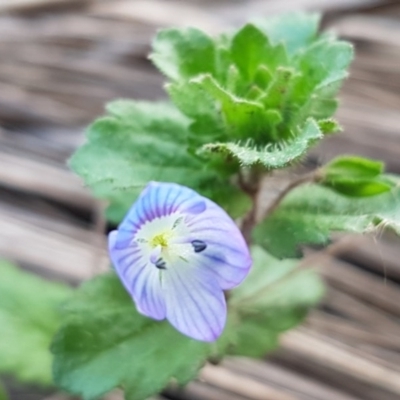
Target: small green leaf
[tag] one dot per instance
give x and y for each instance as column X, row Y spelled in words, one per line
column 295, row 30
column 309, row 214
column 183, row 53
column 263, row 76
column 355, row 176
column 352, row 167
column 233, row 79
column 274, row 298
column 322, row 68
column 277, row 91
column 29, row 317
column 360, row 187
column 218, row 113
column 105, row 343
column 329, row 125
column 195, row 102
column 248, row 47
column 251, row 49
column 323, row 65
column 241, row 116
column 269, row 157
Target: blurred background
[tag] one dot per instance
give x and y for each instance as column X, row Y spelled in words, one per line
column 62, row 60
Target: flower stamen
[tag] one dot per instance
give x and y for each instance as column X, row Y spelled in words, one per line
column 198, row 246
column 161, row 264
column 160, row 240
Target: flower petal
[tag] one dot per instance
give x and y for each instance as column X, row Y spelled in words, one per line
column 147, row 292
column 140, row 278
column 195, row 303
column 227, row 255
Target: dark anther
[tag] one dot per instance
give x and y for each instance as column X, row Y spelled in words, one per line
column 160, row 264
column 198, row 246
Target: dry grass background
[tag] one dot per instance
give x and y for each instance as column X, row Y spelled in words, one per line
column 61, row 60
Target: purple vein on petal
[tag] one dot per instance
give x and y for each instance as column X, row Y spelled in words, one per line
column 154, row 200
column 132, row 282
column 164, row 202
column 148, row 298
column 211, row 310
column 189, row 295
column 210, row 321
column 131, row 264
column 172, row 205
column 179, row 312
column 121, row 259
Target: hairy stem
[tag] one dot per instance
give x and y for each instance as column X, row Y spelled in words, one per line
column 249, row 222
column 249, row 182
column 308, row 262
column 301, row 180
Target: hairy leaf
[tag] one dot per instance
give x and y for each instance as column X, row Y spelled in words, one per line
column 260, row 84
column 311, row 213
column 183, row 53
column 29, row 317
column 251, row 48
column 295, row 30
column 269, row 157
column 329, row 125
column 322, row 67
column 136, row 143
column 105, row 343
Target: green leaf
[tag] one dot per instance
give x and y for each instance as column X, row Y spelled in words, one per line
column 235, row 202
column 277, row 93
column 261, row 83
column 136, row 143
column 219, row 112
column 183, row 53
column 360, row 187
column 332, row 58
column 323, row 66
column 309, row 214
column 274, row 298
column 3, row 393
column 195, row 102
column 329, row 125
column 29, row 317
column 269, row 157
column 295, row 30
column 352, row 167
column 355, row 176
column 250, row 49
column 105, row 343
column 241, row 116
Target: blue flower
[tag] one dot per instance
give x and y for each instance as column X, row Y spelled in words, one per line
column 176, row 252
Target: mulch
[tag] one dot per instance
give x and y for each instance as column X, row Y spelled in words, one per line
column 62, row 60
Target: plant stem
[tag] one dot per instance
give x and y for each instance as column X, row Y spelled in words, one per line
column 248, row 222
column 250, row 184
column 307, row 178
column 303, row 264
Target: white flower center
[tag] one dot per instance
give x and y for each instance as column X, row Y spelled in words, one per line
column 166, row 240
